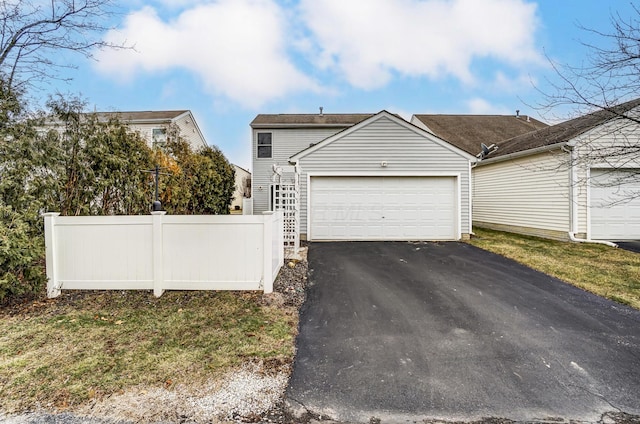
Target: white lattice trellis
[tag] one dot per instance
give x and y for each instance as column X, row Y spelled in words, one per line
column 286, row 195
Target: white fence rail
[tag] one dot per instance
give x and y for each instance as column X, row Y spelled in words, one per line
column 163, row 252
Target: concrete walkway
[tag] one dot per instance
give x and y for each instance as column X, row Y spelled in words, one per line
column 409, row 331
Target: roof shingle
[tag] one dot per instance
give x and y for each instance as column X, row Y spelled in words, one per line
column 467, row 131
column 564, row 131
column 316, row 120
column 150, row 115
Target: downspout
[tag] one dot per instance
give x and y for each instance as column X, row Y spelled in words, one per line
column 572, row 237
column 573, row 205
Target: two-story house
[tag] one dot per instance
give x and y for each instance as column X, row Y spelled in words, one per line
column 153, row 126
column 361, row 177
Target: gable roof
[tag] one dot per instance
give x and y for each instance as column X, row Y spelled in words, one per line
column 149, row 115
column 240, row 168
column 467, row 131
column 563, row 132
column 287, row 120
column 372, row 118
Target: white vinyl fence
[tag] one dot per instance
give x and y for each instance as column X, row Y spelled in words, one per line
column 163, row 252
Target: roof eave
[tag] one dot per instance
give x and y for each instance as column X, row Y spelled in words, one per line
column 309, row 125
column 295, row 158
column 147, row 121
column 196, row 126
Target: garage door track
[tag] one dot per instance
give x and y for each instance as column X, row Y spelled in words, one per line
column 399, row 331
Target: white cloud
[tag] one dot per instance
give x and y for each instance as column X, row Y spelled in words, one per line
column 370, row 41
column 517, row 84
column 479, row 106
column 237, row 48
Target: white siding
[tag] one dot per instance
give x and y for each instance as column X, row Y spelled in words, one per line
column 531, row 192
column 146, row 129
column 241, row 174
column 285, row 143
column 406, row 152
column 603, row 146
column 187, row 125
column 582, row 199
column 418, row 123
column 190, row 132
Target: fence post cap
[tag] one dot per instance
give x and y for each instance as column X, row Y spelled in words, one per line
column 51, row 214
column 159, row 213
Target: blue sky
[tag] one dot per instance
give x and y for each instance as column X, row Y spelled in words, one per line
column 229, row 60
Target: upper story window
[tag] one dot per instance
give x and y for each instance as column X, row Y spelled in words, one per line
column 159, row 135
column 264, row 145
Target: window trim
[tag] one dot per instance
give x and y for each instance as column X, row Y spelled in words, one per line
column 160, row 138
column 263, row 145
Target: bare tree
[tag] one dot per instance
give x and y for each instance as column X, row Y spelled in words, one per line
column 33, row 32
column 603, row 96
column 610, row 74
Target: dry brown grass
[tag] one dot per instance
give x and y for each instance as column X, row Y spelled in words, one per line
column 605, row 271
column 81, row 347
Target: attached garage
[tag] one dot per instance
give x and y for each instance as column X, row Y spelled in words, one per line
column 615, row 204
column 383, row 208
column 384, row 179
column 576, row 180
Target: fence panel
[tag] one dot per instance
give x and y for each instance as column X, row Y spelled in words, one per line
column 230, row 252
column 197, row 250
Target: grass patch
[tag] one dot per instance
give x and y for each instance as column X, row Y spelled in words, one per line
column 64, row 352
column 605, row 271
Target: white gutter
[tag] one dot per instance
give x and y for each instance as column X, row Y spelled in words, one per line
column 522, row 153
column 573, row 195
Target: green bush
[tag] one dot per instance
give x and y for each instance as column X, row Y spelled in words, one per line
column 21, row 257
column 86, row 166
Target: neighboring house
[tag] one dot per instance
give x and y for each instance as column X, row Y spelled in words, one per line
column 153, row 126
column 569, row 180
column 361, row 177
column 241, row 176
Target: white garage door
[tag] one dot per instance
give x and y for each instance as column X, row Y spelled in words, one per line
column 615, row 213
column 383, row 208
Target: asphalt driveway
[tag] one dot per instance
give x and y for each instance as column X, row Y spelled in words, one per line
column 410, row 331
column 631, row 245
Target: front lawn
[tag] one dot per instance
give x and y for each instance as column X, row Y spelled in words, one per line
column 606, row 271
column 85, row 347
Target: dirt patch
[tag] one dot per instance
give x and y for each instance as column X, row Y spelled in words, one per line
column 289, row 289
column 244, row 395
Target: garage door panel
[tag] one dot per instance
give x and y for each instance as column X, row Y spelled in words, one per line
column 383, row 208
column 615, row 215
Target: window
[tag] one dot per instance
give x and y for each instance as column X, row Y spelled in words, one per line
column 159, row 135
column 264, row 145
